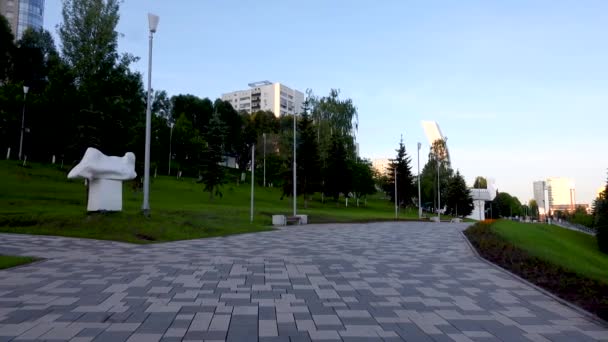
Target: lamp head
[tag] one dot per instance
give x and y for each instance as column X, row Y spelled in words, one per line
column 153, row 22
column 25, row 89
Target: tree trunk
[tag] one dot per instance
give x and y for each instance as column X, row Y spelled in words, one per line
column 357, row 202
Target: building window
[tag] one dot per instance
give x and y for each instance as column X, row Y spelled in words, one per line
column 244, row 98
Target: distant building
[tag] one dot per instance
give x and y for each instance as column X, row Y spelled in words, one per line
column 23, row 14
column 561, row 193
column 381, row 165
column 264, row 95
column 539, row 196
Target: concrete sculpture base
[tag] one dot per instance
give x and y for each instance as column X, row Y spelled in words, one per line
column 105, row 195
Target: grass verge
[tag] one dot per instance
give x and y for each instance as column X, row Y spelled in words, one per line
column 523, row 253
column 39, row 199
column 7, row 261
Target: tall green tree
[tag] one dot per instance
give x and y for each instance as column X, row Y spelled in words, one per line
column 35, row 51
column 533, row 208
column 480, row 183
column 211, row 171
column 110, row 97
column 364, row 183
column 406, row 189
column 600, row 212
column 89, row 37
column 7, row 50
column 309, row 175
column 429, row 177
column 338, row 175
column 458, row 196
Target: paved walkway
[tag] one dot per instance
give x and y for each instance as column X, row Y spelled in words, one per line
column 367, row 282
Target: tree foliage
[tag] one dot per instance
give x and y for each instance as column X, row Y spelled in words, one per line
column 406, row 190
column 458, row 197
column 480, row 183
column 600, row 212
column 89, row 37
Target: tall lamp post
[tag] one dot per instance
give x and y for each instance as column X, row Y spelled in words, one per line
column 152, row 23
column 396, row 206
column 295, row 195
column 419, row 198
column 438, row 192
column 264, row 135
column 170, row 139
column 25, row 90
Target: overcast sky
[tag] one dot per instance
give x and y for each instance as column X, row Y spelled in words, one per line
column 519, row 87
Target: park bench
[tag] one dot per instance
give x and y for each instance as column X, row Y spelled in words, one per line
column 283, row 220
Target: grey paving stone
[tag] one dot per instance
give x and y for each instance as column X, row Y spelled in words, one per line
column 416, row 281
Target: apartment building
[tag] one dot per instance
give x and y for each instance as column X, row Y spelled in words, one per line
column 23, row 14
column 275, row 97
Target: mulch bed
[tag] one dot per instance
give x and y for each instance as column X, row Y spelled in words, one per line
column 590, row 294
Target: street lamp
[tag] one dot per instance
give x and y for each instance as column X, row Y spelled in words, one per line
column 419, row 199
column 25, row 90
column 152, row 23
column 264, row 135
column 295, row 195
column 438, row 191
column 170, row 139
column 396, row 206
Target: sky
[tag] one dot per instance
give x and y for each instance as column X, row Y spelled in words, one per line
column 519, row 87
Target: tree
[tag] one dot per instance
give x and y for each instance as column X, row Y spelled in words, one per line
column 458, row 196
column 198, row 111
column 308, row 174
column 480, row 183
column 7, row 49
column 600, row 212
column 338, row 175
column 406, row 189
column 333, row 116
column 109, row 97
column 533, row 206
column 363, row 179
column 428, row 177
column 232, row 125
column 89, row 37
column 35, row 51
column 211, row 170
column 505, row 205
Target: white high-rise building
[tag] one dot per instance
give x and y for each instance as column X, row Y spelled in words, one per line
column 264, row 95
column 561, row 193
column 539, row 195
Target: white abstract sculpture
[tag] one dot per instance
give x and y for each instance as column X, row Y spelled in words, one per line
column 480, row 196
column 105, row 175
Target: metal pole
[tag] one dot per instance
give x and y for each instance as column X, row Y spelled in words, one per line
column 252, row 180
column 146, row 204
column 22, row 122
column 438, row 193
column 396, row 206
column 419, row 195
column 170, row 139
column 295, row 195
column 264, row 135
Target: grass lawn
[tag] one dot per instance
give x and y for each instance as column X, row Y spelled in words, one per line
column 40, row 199
column 7, row 261
column 574, row 251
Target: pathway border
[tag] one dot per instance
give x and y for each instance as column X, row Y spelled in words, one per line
column 570, row 305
